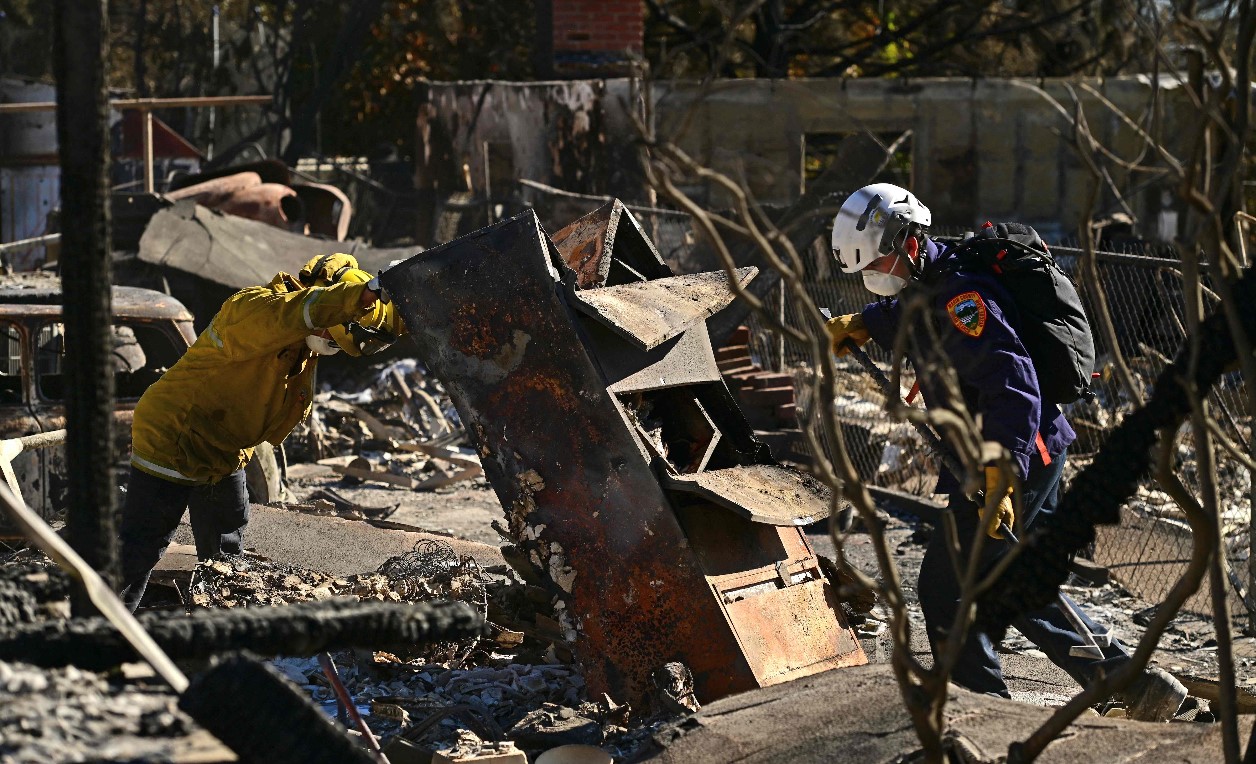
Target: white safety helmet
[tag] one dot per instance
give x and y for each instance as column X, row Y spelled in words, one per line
column 873, row 222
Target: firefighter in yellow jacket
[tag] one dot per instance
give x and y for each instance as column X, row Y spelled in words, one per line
column 248, row 378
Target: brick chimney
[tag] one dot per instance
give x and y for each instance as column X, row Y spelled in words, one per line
column 588, row 38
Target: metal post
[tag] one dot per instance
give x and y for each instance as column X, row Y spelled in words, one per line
column 780, row 316
column 213, row 113
column 488, row 189
column 149, row 185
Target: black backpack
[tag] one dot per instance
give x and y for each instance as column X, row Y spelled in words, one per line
column 1053, row 325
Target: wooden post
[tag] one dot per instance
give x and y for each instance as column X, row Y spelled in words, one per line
column 79, row 60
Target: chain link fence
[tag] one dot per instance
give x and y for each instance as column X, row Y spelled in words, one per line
column 1142, row 286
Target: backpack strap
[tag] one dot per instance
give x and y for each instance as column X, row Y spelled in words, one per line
column 1042, row 448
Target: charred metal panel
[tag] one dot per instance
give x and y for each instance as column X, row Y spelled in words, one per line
column 684, row 360
column 573, row 430
column 783, row 629
column 648, row 313
column 764, row 493
column 236, row 252
column 486, row 313
column 587, row 247
column 607, row 247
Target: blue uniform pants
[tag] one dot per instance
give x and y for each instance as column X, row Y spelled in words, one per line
column 151, row 514
column 978, row 667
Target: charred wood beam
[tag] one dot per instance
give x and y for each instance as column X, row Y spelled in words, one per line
column 302, row 629
column 1095, row 496
column 80, row 62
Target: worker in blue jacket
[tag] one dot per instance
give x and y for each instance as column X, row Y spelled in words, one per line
column 968, row 322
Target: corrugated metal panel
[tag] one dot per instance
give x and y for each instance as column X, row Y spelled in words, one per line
column 27, row 195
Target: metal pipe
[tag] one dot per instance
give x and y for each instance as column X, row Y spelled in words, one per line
column 20, row 244
column 346, row 700
column 148, row 103
column 209, row 154
column 149, row 185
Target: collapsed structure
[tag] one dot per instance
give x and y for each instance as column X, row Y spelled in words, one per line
column 582, row 369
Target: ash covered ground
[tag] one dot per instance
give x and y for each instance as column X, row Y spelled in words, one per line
column 520, row 682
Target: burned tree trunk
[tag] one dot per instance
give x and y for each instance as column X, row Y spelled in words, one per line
column 81, row 50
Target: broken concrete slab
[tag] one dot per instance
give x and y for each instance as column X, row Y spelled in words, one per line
column 335, row 545
column 857, row 714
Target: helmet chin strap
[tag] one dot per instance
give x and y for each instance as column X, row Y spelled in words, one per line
column 911, row 246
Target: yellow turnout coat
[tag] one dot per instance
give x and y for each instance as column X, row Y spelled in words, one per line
column 248, row 378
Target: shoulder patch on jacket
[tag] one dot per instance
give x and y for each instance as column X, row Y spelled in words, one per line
column 968, row 313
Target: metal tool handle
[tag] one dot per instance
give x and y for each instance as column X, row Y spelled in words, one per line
column 930, row 437
column 35, row 529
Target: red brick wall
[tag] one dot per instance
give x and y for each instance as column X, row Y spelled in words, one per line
column 598, row 25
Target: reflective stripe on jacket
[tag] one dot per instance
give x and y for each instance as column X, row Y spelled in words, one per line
column 248, row 378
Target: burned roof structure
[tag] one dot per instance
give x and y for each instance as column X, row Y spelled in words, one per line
column 663, row 530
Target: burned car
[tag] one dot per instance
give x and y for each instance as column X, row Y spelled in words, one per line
column 150, row 332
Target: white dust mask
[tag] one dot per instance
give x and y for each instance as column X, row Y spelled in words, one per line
column 884, row 284
column 321, row 345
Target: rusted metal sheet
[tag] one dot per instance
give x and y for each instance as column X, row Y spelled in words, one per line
column 632, row 570
column 763, row 493
column 648, row 313
column 785, row 636
column 486, row 315
column 608, row 247
column 327, row 209
column 215, row 192
column 270, row 203
column 585, row 248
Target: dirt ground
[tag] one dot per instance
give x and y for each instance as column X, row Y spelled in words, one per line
column 465, row 510
column 1188, row 648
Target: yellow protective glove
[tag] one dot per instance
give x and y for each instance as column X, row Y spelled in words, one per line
column 993, row 515
column 848, row 327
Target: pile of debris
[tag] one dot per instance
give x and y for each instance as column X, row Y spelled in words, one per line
column 393, row 425
column 519, row 685
column 431, row 572
column 67, row 714
column 433, row 706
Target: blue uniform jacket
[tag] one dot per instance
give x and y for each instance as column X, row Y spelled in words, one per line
column 976, row 320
